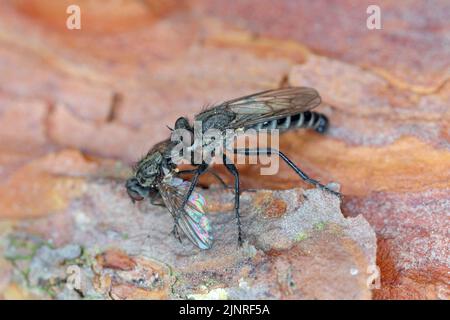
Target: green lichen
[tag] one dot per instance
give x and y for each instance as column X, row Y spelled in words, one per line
column 301, row 236
column 19, row 252
column 175, row 279
column 319, row 226
column 22, row 250
column 84, row 259
column 208, row 283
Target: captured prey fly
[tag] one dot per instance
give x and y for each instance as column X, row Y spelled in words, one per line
column 157, row 176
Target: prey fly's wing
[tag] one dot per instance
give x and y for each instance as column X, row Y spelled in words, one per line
column 192, row 219
column 266, row 106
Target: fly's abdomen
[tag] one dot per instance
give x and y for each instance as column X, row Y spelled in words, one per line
column 308, row 119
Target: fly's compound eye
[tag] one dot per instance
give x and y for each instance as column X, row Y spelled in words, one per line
column 135, row 191
column 134, row 195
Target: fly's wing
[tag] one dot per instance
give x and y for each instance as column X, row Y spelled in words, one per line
column 192, row 220
column 268, row 105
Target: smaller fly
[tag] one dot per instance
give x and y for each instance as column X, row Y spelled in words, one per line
column 156, row 174
column 191, row 220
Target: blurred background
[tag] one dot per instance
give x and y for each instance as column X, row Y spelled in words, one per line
column 78, row 101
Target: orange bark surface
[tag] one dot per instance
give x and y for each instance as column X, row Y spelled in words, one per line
column 104, row 95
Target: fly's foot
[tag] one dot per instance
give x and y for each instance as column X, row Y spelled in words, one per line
column 176, row 233
column 326, row 188
column 240, row 242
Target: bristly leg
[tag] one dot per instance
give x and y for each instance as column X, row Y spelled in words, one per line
column 233, row 170
column 297, row 170
column 154, row 200
column 197, row 173
column 209, row 170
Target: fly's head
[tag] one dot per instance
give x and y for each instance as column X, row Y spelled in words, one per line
column 135, row 191
column 146, row 177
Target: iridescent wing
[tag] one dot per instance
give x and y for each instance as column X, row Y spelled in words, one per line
column 266, row 106
column 192, row 219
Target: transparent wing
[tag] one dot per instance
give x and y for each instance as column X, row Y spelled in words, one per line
column 266, row 106
column 192, row 219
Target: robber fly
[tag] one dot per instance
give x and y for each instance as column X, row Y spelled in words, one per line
column 155, row 175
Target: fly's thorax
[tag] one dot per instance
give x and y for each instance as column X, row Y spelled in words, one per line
column 149, row 169
column 215, row 119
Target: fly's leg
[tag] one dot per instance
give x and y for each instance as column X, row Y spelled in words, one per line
column 224, row 185
column 297, row 170
column 233, row 170
column 198, row 172
column 176, row 233
column 216, row 175
column 154, row 201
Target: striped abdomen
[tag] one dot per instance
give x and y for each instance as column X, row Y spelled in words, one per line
column 308, row 119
